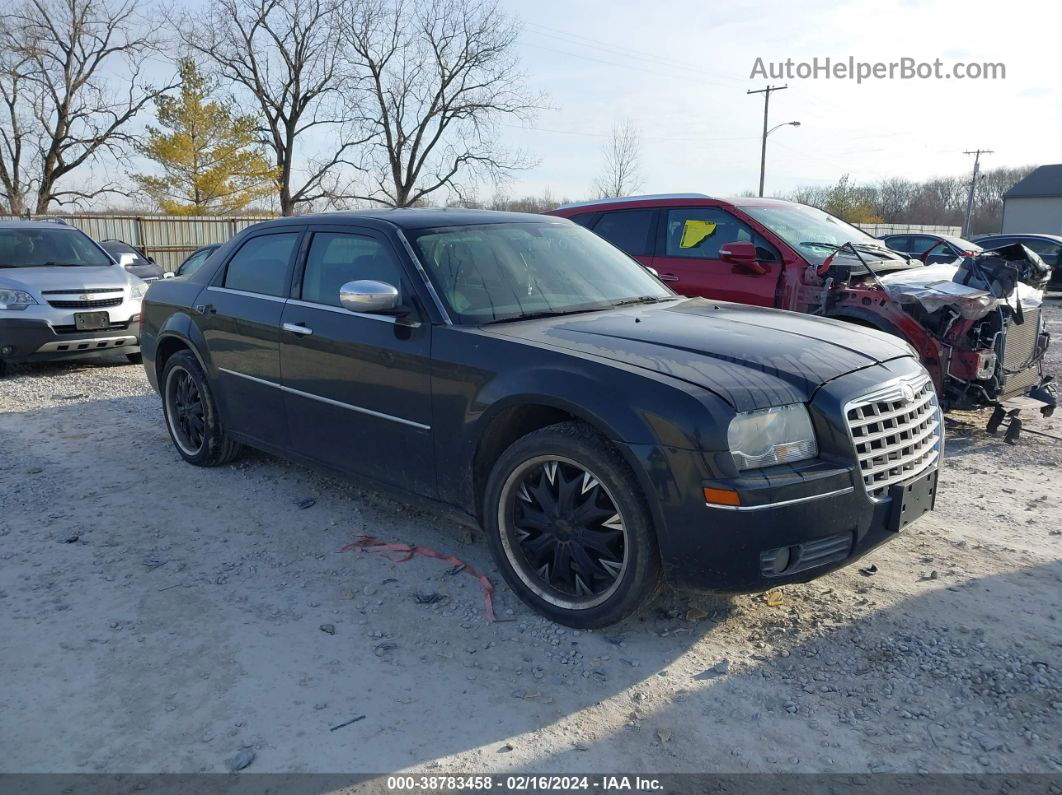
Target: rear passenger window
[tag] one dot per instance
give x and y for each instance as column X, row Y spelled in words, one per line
column 261, row 264
column 899, row 243
column 336, row 258
column 627, row 230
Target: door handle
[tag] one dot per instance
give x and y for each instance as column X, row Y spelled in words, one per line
column 205, row 309
column 668, row 277
column 298, row 328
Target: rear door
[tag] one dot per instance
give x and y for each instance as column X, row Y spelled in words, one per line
column 688, row 257
column 240, row 318
column 356, row 386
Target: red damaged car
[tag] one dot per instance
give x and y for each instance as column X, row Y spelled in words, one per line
column 976, row 323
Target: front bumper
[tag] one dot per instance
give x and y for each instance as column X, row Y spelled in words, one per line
column 813, row 524
column 793, row 522
column 28, row 339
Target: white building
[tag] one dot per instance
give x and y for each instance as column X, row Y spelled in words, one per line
column 1034, row 205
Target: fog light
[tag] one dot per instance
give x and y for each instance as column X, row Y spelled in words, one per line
column 775, row 561
column 7, row 350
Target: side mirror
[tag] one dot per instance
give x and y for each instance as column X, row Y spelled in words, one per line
column 168, row 275
column 125, row 260
column 369, row 297
column 743, row 254
column 652, row 270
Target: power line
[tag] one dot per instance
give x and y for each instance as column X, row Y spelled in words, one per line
column 973, row 186
column 766, row 104
column 616, row 49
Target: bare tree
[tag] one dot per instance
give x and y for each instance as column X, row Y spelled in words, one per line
column 62, row 107
column 622, row 152
column 435, row 79
column 893, row 197
column 285, row 55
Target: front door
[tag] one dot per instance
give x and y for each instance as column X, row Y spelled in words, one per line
column 240, row 318
column 357, row 386
column 688, row 257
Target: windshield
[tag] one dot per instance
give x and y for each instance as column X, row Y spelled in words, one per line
column 814, row 233
column 38, row 247
column 494, row 272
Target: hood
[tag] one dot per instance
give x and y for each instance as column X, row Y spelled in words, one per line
column 73, row 279
column 751, row 357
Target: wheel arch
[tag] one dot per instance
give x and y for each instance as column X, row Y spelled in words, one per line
column 520, row 415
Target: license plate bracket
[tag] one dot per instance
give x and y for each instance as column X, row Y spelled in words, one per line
column 91, row 321
column 912, row 499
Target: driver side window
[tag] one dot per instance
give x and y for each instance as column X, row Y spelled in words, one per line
column 336, row 258
column 699, row 232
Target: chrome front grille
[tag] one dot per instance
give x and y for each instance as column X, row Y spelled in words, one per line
column 1021, row 370
column 897, row 432
column 98, row 303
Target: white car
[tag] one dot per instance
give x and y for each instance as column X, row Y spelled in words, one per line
column 63, row 297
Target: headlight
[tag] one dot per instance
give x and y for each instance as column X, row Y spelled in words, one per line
column 15, row 299
column 138, row 291
column 772, row 436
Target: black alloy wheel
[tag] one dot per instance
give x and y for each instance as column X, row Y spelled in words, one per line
column 569, row 527
column 563, row 531
column 191, row 414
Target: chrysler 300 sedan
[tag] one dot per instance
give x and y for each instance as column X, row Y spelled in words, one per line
column 604, row 431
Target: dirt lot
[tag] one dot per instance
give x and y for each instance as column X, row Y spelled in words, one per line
column 159, row 617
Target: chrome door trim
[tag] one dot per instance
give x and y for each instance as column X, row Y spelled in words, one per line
column 291, row 390
column 341, row 311
column 425, row 278
column 264, row 297
column 797, row 501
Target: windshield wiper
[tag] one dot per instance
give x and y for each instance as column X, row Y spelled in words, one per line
column 644, row 299
column 815, row 244
column 544, row 313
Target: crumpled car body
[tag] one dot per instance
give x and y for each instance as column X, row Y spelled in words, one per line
column 977, row 322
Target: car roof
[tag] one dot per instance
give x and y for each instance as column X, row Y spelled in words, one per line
column 647, row 197
column 1033, row 235
column 417, row 218
column 56, row 224
column 671, row 199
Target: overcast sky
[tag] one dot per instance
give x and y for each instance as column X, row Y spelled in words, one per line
column 680, row 69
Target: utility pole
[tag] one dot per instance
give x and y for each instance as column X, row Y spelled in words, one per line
column 973, row 187
column 763, row 147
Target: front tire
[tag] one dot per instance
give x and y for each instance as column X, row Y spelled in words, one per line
column 569, row 527
column 191, row 414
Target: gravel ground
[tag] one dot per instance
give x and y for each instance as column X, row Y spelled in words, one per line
column 159, row 617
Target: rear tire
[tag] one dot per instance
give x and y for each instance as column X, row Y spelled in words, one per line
column 569, row 527
column 191, row 414
column 135, row 358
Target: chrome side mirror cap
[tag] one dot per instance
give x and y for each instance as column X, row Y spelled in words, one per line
column 125, row 260
column 168, row 275
column 369, row 297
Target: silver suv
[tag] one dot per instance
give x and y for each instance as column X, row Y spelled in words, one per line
column 63, row 297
